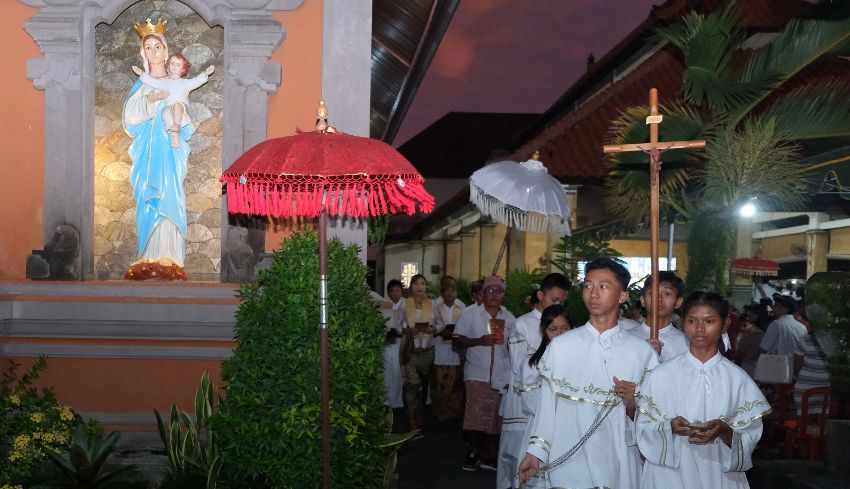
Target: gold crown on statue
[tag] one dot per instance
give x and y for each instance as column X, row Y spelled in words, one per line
column 150, row 28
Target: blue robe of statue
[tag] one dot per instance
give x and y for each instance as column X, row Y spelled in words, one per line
column 157, row 177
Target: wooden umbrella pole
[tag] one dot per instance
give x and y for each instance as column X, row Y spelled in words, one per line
column 504, row 247
column 324, row 347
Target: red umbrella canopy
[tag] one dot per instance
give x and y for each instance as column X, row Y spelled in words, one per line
column 327, row 170
column 755, row 266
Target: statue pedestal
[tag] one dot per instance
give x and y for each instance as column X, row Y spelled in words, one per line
column 118, row 350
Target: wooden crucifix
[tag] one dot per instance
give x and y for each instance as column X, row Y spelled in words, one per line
column 654, row 148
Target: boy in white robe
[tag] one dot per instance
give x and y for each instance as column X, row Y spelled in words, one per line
column 670, row 342
column 699, row 414
column 523, row 341
column 393, row 311
column 583, row 434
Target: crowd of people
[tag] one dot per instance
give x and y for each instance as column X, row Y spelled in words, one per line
column 546, row 402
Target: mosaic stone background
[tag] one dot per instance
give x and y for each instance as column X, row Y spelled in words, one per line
column 117, row 50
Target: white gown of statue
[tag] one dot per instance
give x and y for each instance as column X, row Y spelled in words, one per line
column 576, row 391
column 717, row 389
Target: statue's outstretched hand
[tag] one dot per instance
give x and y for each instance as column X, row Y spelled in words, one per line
column 138, row 71
column 210, row 69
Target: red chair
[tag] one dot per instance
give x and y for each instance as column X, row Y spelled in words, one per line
column 781, row 414
column 809, row 428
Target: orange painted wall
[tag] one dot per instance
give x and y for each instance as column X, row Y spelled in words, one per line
column 22, row 140
column 120, row 385
column 294, row 105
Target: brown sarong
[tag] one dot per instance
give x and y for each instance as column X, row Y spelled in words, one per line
column 446, row 392
column 482, row 408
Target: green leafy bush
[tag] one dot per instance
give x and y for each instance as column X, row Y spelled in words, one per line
column 828, row 310
column 268, row 426
column 519, row 286
column 194, row 460
column 32, row 424
column 82, row 465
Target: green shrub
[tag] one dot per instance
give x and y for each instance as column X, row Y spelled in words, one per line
column 575, row 306
column 32, row 424
column 268, row 426
column 194, row 460
column 519, row 286
column 82, row 465
column 828, row 310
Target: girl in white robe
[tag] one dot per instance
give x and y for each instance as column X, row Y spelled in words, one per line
column 699, row 415
column 554, row 320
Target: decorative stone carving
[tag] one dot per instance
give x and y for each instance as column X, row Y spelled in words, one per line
column 60, row 259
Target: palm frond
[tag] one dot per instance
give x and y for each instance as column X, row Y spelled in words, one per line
column 708, row 44
column 798, row 45
column 813, row 111
column 754, row 161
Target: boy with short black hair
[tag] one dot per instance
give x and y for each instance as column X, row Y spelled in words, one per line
column 670, row 342
column 583, row 430
column 393, row 382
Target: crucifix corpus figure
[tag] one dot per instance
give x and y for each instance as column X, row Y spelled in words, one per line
column 654, row 148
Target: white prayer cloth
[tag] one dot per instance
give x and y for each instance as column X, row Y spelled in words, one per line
column 717, row 389
column 474, row 323
column 675, row 342
column 577, row 372
column 393, row 381
column 522, row 343
column 443, row 315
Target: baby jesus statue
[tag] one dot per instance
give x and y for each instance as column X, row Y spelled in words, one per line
column 175, row 88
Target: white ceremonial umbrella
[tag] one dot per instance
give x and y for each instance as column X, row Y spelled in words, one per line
column 521, row 196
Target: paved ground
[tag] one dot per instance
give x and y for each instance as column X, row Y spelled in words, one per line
column 433, row 462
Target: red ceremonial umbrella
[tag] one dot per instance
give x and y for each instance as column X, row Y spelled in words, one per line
column 755, row 266
column 319, row 173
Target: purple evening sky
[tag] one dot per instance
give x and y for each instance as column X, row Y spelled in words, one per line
column 517, row 55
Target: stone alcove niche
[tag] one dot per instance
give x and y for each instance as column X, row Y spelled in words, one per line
column 65, row 31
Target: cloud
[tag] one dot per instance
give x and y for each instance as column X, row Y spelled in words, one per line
column 517, row 55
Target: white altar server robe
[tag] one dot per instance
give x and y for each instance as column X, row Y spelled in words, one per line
column 577, row 374
column 717, row 389
column 522, row 343
column 675, row 342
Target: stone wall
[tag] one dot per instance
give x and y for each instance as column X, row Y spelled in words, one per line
column 117, row 50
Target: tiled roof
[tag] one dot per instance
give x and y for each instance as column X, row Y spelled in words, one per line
column 571, row 148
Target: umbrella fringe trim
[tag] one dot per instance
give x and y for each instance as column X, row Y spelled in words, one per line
column 286, row 200
column 515, row 217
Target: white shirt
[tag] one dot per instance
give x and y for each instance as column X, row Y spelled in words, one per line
column 443, row 315
column 784, row 336
column 474, row 323
column 717, row 389
column 577, row 373
column 675, row 342
column 627, row 324
column 395, row 318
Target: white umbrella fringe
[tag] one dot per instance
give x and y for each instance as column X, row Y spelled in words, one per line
column 515, row 217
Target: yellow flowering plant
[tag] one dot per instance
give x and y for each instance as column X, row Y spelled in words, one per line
column 32, row 425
